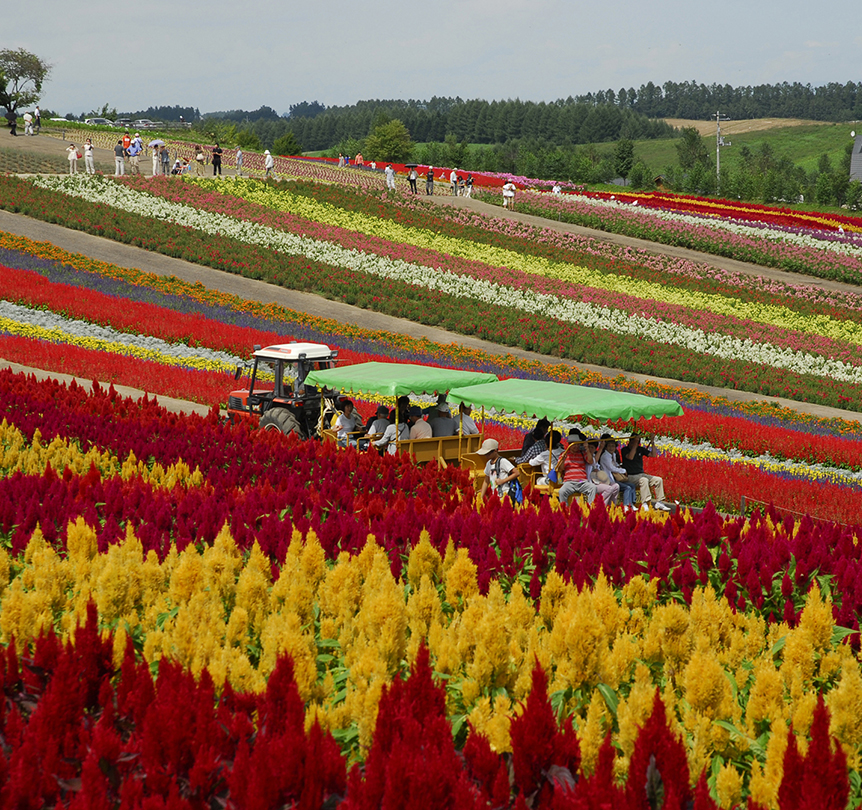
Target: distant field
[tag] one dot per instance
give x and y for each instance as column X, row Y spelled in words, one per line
column 802, row 141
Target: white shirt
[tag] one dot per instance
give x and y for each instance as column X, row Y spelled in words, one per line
column 388, row 437
column 345, row 424
column 493, row 473
column 468, row 426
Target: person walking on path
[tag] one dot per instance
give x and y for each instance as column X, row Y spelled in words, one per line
column 509, row 195
column 165, row 159
column 238, row 162
column 72, row 154
column 453, row 179
column 37, row 120
column 217, row 152
column 119, row 159
column 468, row 186
column 429, row 182
column 157, row 161
column 269, row 164
column 390, row 177
column 412, row 177
column 89, row 164
column 28, row 124
column 12, row 120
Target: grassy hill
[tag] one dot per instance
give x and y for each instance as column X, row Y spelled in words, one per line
column 802, row 141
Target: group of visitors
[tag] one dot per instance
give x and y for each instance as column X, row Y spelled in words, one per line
column 461, row 186
column 388, row 427
column 587, row 467
column 32, row 121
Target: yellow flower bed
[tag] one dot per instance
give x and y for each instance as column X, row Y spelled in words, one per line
column 283, row 200
column 732, row 682
column 33, row 458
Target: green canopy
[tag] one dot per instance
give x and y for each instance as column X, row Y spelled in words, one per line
column 396, row 379
column 558, row 401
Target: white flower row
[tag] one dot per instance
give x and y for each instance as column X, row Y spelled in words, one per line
column 52, row 322
column 845, row 247
column 618, row 322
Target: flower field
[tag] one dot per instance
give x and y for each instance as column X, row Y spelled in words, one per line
column 536, row 297
column 826, row 246
column 196, row 614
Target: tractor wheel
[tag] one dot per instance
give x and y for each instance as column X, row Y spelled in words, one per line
column 283, row 420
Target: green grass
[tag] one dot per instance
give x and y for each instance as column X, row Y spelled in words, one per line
column 803, row 145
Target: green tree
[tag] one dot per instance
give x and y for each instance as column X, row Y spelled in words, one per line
column 287, row 145
column 624, row 157
column 246, row 139
column 389, row 142
column 456, row 153
column 24, row 74
column 691, row 149
column 106, row 112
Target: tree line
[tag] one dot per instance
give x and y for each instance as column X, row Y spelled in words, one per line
column 484, row 122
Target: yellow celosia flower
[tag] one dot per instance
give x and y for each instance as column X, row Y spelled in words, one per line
column 555, row 593
column 728, row 786
column 816, row 619
column 591, row 733
column 461, row 578
column 669, row 635
column 633, row 711
column 423, row 609
column 639, row 592
column 283, row 634
column 707, row 689
column 493, row 721
column 764, row 784
column 766, row 702
column 424, row 560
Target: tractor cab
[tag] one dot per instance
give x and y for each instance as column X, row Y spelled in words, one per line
column 277, row 395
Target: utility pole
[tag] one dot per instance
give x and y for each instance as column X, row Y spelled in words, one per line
column 719, row 142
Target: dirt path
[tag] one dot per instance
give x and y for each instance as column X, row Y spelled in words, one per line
column 127, row 256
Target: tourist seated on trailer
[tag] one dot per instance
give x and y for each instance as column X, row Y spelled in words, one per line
column 387, row 442
column 547, row 459
column 347, row 426
column 538, row 433
column 605, row 485
column 499, row 472
column 468, row 426
column 609, row 462
column 401, row 409
column 575, row 480
column 434, row 411
column 633, row 456
column 443, row 424
column 376, row 426
column 419, row 428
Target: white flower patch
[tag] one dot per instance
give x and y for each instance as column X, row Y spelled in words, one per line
column 52, row 322
column 590, row 316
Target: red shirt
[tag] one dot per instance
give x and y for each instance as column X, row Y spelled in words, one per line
column 575, row 468
column 127, row 141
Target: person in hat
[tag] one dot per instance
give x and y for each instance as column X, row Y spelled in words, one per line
column 499, row 471
column 268, row 163
column 429, row 181
column 576, row 459
column 443, row 424
column 419, row 428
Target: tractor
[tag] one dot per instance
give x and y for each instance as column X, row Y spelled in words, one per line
column 277, row 396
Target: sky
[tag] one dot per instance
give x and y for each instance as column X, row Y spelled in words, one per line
column 243, row 54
